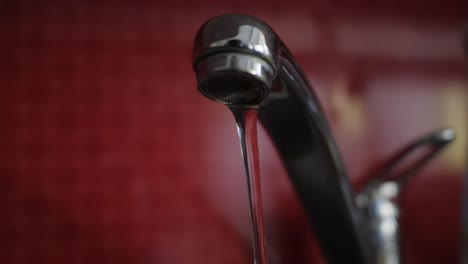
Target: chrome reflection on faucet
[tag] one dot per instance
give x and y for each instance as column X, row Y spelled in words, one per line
column 240, row 61
column 249, row 35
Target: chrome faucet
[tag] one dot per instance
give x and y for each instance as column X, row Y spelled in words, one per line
column 240, row 61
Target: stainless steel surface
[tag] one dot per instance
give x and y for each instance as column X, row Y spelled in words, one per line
column 383, row 221
column 235, row 32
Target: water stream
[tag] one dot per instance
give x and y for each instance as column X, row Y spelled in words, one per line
column 246, row 120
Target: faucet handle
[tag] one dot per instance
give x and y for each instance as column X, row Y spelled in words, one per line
column 404, row 164
column 379, row 199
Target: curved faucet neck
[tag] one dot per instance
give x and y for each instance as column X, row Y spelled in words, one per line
column 293, row 117
column 245, row 49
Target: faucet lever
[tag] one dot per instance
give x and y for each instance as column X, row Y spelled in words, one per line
column 407, row 162
column 379, row 199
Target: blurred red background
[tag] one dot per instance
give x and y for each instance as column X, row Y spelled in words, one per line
column 110, row 155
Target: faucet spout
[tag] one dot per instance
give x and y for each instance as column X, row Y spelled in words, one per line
column 240, row 61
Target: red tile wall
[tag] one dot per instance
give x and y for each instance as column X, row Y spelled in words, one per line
column 108, row 154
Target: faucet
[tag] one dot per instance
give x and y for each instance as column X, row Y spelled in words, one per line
column 240, row 61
